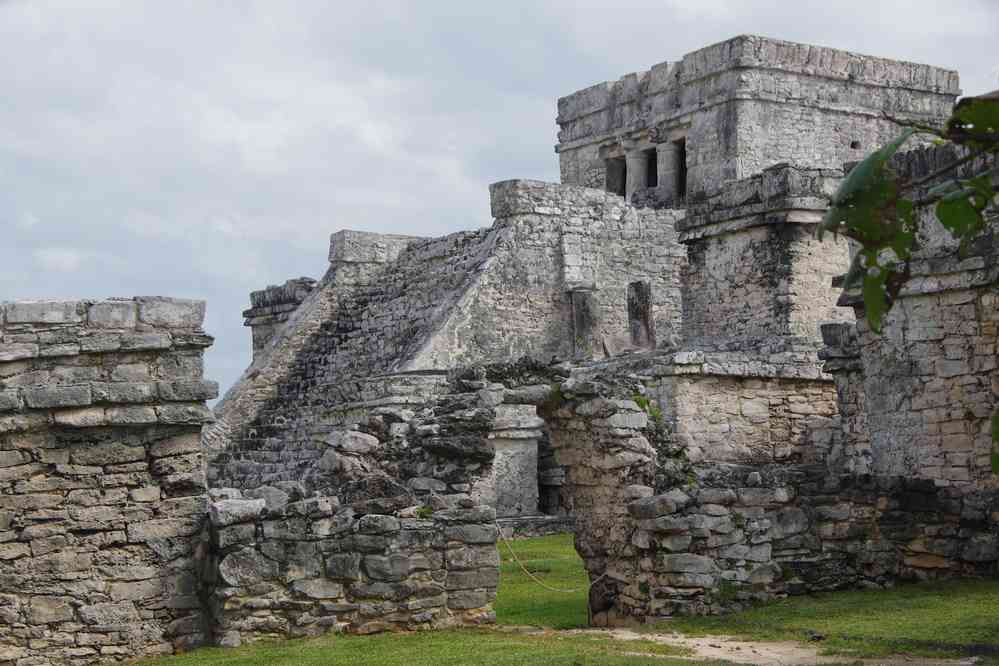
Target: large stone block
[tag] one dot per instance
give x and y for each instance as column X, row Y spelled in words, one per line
column 233, row 511
column 247, row 566
column 45, row 312
column 171, row 312
column 48, row 610
column 112, row 314
column 15, row 351
column 47, row 397
column 10, row 400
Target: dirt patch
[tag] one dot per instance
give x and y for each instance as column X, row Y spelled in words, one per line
column 764, row 653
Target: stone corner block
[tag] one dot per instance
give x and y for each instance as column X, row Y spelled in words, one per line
column 171, row 312
column 232, row 511
column 45, row 312
column 113, row 314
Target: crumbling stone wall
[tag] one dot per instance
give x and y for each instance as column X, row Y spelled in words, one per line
column 927, row 386
column 311, row 566
column 271, row 307
column 755, row 273
column 694, row 433
column 382, row 520
column 744, row 105
column 102, row 487
column 725, row 414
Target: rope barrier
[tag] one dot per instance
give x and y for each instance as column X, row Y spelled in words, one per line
column 537, row 580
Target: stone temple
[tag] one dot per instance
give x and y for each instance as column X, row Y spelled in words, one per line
column 651, row 353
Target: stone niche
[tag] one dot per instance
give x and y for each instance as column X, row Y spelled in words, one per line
column 102, row 488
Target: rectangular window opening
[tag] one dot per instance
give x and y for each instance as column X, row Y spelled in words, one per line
column 640, row 315
column 617, row 175
column 681, row 168
column 652, row 168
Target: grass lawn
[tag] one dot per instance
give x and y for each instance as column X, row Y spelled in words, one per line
column 475, row 647
column 956, row 618
column 933, row 619
column 521, row 601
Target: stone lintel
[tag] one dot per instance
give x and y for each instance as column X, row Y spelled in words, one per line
column 365, row 247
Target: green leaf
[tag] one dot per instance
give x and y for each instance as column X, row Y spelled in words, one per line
column 962, row 218
column 974, row 119
column 904, row 238
column 863, row 193
column 875, row 297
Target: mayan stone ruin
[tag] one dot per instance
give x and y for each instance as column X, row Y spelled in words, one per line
column 653, row 353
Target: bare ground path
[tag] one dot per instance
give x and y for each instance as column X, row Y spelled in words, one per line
column 759, row 653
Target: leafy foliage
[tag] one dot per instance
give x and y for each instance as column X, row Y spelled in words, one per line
column 877, row 209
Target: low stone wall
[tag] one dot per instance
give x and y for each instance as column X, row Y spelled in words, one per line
column 102, row 488
column 741, row 534
column 311, row 566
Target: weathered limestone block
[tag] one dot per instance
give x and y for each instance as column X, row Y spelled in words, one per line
column 92, row 487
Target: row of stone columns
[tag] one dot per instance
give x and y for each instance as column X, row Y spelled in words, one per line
column 665, row 158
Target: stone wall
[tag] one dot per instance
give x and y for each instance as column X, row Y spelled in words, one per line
column 744, row 105
column 576, row 250
column 736, row 418
column 102, row 487
column 918, row 398
column 743, row 534
column 307, row 567
column 271, row 307
column 390, row 304
column 755, row 271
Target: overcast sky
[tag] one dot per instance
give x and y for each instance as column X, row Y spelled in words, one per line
column 207, row 149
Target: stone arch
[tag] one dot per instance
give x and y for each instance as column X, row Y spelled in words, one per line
column 601, row 436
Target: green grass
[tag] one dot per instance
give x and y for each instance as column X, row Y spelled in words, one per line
column 439, row 648
column 955, row 618
column 930, row 619
column 521, row 601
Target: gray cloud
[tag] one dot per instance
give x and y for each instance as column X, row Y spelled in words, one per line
column 208, row 149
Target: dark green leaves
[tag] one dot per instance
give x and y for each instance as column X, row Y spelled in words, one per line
column 975, row 122
column 962, row 206
column 868, row 207
column 873, row 207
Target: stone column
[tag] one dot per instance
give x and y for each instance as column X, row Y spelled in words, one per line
column 638, row 167
column 666, row 154
column 585, row 313
column 515, row 436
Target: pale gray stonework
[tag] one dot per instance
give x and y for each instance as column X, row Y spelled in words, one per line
column 669, row 373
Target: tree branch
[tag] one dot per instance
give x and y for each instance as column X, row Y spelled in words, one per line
column 902, row 122
column 970, row 157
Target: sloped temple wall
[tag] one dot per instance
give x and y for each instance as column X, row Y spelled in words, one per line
column 102, row 487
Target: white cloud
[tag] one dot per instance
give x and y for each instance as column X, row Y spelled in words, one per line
column 58, row 259
column 27, row 220
column 205, row 149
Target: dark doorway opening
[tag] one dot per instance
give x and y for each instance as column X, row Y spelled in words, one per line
column 617, row 175
column 681, row 168
column 640, row 315
column 652, row 168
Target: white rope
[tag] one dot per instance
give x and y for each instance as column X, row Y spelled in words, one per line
column 538, row 580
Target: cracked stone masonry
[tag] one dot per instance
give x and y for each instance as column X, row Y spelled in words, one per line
column 650, row 353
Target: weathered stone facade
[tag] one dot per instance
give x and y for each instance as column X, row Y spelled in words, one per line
column 660, row 362
column 739, row 107
column 103, row 498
